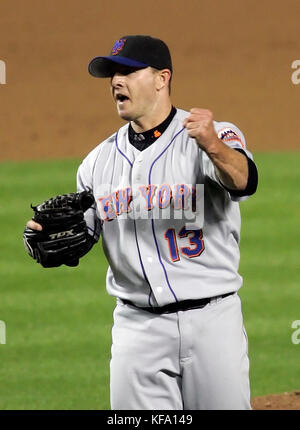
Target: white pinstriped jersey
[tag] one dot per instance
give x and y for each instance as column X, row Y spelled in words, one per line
column 156, row 253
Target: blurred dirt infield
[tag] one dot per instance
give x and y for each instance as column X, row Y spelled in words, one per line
column 285, row 401
column 230, row 56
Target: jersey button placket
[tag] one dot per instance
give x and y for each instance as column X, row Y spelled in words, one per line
column 137, row 180
column 137, row 171
column 144, row 234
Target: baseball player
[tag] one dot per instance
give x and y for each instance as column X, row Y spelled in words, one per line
column 167, row 186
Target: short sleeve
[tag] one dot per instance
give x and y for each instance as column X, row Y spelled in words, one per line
column 84, row 182
column 233, row 137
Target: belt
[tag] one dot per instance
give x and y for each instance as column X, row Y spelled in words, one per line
column 178, row 306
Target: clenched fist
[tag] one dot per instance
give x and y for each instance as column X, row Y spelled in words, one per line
column 199, row 125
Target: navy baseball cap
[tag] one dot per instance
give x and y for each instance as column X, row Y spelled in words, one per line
column 134, row 52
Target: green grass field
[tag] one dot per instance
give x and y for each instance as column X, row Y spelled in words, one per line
column 58, row 321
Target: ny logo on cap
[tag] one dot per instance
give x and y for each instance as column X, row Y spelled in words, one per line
column 118, row 46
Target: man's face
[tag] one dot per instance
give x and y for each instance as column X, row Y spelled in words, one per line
column 134, row 92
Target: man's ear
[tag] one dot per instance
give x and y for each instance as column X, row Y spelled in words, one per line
column 163, row 78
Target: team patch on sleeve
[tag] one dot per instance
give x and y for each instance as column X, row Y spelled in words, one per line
column 229, row 135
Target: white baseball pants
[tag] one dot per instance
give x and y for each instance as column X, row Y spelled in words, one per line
column 189, row 360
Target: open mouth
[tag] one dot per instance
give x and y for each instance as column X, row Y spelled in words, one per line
column 121, row 98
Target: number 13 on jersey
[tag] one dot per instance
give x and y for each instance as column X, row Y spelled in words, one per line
column 196, row 243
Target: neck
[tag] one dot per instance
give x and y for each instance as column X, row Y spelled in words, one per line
column 152, row 120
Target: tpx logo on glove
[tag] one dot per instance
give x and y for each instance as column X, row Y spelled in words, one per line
column 62, row 234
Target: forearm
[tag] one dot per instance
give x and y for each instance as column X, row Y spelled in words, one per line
column 231, row 166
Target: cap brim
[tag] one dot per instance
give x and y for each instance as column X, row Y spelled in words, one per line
column 104, row 67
